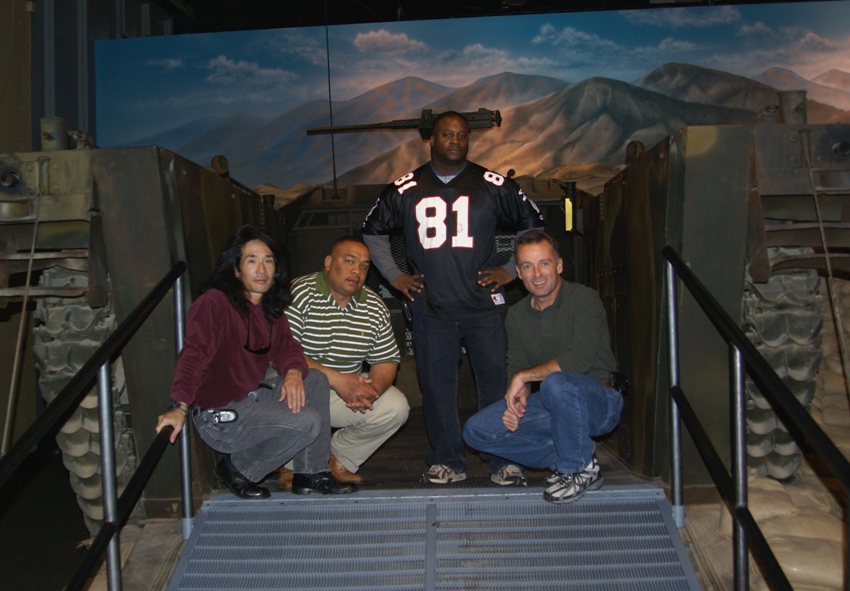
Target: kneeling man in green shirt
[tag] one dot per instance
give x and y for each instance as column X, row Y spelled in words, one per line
column 559, row 374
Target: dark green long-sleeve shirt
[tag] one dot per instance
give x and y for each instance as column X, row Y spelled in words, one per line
column 573, row 331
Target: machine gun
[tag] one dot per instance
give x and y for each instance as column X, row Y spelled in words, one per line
column 482, row 118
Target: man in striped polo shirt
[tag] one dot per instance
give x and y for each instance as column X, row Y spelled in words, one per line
column 341, row 324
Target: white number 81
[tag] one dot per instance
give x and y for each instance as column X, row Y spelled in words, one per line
column 431, row 215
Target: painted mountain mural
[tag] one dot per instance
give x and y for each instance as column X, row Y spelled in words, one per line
column 547, row 123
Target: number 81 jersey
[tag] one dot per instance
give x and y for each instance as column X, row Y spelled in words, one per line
column 450, row 231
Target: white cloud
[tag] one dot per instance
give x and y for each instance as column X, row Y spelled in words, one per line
column 536, row 65
column 477, row 51
column 547, row 34
column 310, row 49
column 172, row 63
column 795, row 48
column 226, row 71
column 677, row 18
column 807, row 41
column 382, row 41
column 571, row 37
column 669, row 45
column 756, row 31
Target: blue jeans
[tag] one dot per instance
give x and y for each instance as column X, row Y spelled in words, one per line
column 438, row 352
column 557, row 427
column 267, row 434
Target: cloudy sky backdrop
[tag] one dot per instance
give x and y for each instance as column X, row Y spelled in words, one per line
column 151, row 85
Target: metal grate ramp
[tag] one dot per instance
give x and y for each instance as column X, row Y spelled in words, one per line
column 617, row 538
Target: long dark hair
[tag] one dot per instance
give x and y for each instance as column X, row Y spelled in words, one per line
column 224, row 276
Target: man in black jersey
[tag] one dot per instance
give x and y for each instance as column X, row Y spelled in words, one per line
column 448, row 210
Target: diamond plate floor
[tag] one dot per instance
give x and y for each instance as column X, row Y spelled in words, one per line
column 620, row 537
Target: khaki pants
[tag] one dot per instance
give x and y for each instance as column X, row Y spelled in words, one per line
column 358, row 435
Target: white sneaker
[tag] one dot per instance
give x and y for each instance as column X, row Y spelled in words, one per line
column 441, row 474
column 555, row 475
column 509, row 475
column 567, row 488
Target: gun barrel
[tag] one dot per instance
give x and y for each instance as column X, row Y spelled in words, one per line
column 389, row 125
column 482, row 118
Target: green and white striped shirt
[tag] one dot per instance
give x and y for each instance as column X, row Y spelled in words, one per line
column 340, row 338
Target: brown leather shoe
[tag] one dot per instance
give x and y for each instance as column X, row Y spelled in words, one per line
column 342, row 473
column 284, row 478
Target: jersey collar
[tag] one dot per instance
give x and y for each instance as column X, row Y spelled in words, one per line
column 447, row 178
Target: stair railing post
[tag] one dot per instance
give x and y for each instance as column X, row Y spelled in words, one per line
column 108, row 481
column 676, row 486
column 739, row 465
column 185, row 456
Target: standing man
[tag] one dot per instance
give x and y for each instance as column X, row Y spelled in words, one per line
column 558, row 341
column 342, row 324
column 448, row 210
column 235, row 329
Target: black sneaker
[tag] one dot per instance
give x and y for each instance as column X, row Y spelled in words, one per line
column 567, row 488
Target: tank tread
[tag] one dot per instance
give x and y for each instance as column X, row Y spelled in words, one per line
column 783, row 319
column 66, row 334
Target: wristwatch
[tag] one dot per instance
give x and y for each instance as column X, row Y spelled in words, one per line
column 180, row 405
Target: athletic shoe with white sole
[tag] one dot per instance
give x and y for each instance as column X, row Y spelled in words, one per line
column 571, row 487
column 554, row 476
column 509, row 475
column 441, row 474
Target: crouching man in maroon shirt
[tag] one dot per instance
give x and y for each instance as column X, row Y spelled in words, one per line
column 235, row 329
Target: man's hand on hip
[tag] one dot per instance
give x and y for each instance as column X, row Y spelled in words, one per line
column 409, row 284
column 494, row 278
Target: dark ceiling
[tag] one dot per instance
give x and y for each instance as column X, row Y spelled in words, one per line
column 205, row 16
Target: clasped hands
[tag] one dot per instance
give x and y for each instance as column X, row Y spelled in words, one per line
column 358, row 392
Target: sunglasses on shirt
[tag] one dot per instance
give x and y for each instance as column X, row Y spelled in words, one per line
column 261, row 350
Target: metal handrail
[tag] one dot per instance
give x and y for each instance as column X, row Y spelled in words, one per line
column 60, row 408
column 126, row 504
column 724, row 483
column 116, row 511
column 733, row 489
